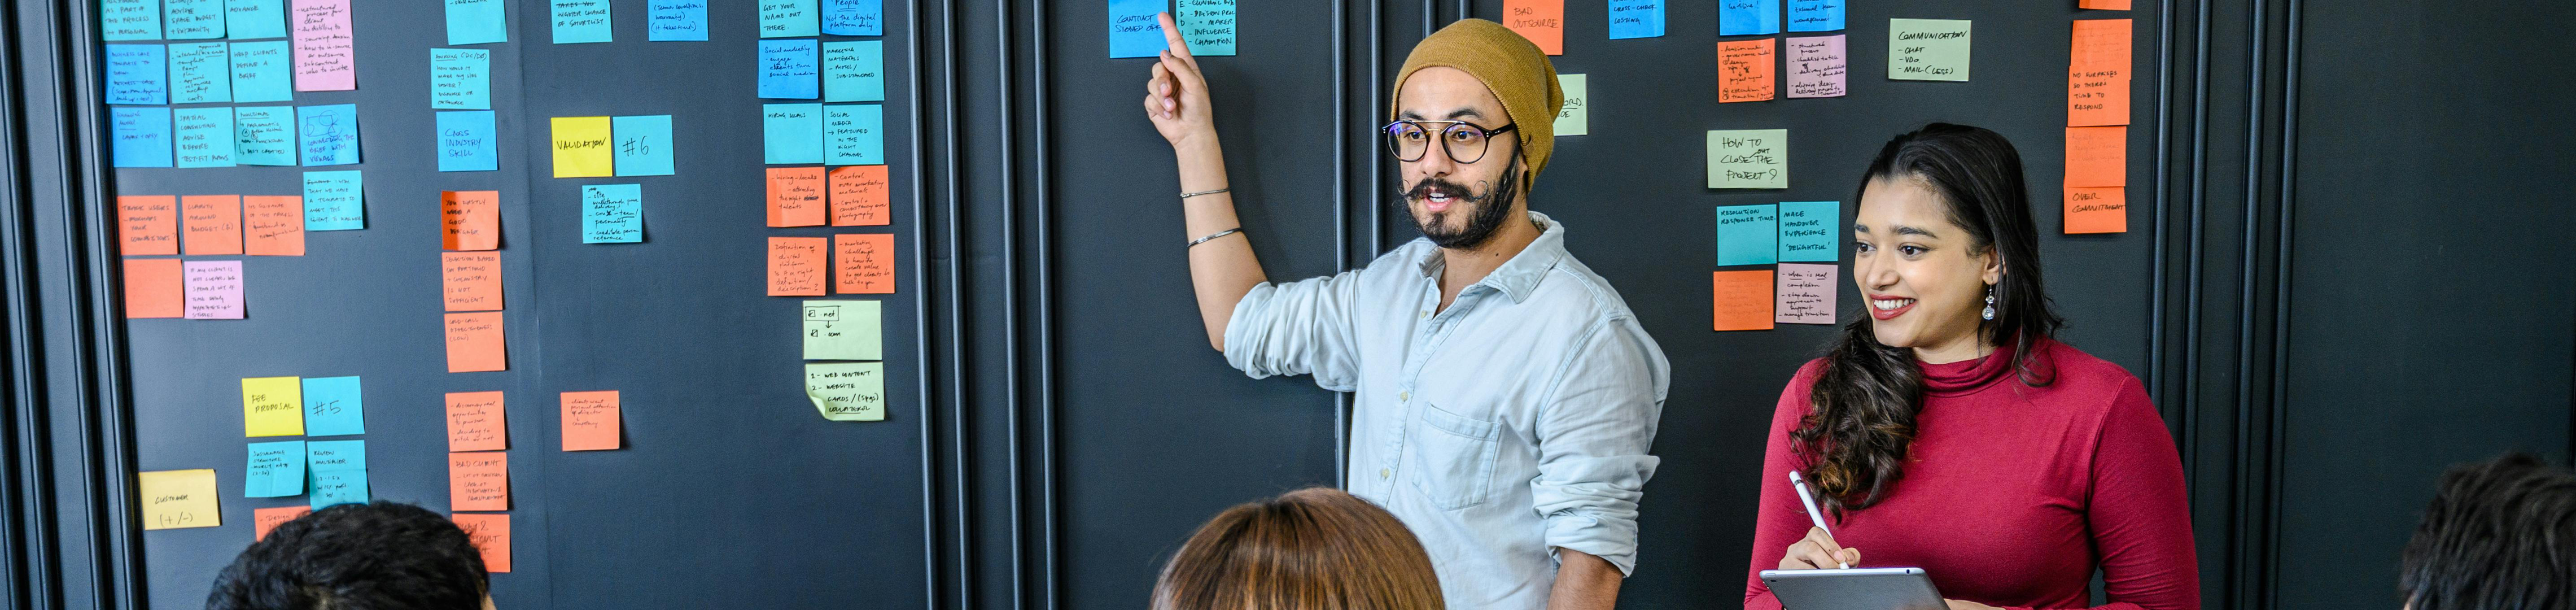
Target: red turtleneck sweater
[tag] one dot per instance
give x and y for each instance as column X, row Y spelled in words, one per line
column 2012, row 494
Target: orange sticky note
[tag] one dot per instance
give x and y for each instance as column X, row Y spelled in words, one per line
column 1745, row 70
column 213, row 224
column 264, row 519
column 472, row 279
column 152, row 288
column 590, row 421
column 2097, row 156
column 1541, row 21
column 478, row 480
column 796, row 196
column 273, row 225
column 147, row 224
column 2097, row 73
column 2103, row 5
column 475, row 422
column 796, row 266
column 491, row 535
column 474, row 343
column 2097, row 210
column 469, row 220
column 859, row 197
column 863, row 263
column 1742, row 299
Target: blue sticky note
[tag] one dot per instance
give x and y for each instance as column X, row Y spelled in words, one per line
column 1134, row 31
column 1207, row 26
column 338, row 487
column 333, row 406
column 1815, row 15
column 788, row 18
column 338, row 472
column 1748, row 234
column 1739, row 17
column 643, row 144
column 854, row 71
column 193, row 19
column 791, row 133
column 460, row 79
column 320, row 456
column 259, row 72
column 476, row 22
column 791, row 69
column 276, row 470
column 466, row 142
column 203, row 136
column 1636, row 19
column 335, row 201
column 135, row 75
column 328, row 135
column 129, row 19
column 854, row 17
column 612, row 213
column 200, row 73
column 143, row 136
column 855, row 134
column 1809, row 231
column 675, row 20
column 263, row 135
column 247, row 19
column 579, row 21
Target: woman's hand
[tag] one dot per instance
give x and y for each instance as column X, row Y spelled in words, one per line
column 1960, row 604
column 1818, row 552
column 1176, row 98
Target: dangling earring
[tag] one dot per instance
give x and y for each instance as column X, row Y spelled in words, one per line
column 1990, row 302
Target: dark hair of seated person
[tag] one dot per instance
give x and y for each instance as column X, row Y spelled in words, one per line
column 2499, row 534
column 379, row 556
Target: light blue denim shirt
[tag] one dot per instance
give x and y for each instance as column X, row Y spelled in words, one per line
column 1513, row 423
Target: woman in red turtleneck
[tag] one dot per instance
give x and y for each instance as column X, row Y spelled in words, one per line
column 1949, row 431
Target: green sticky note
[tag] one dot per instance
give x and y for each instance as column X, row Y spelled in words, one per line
column 1207, row 26
column 844, row 330
column 847, row 391
column 788, row 18
column 332, row 407
column 1748, row 159
column 854, row 134
column 1748, row 234
column 854, row 71
column 1927, row 49
column 276, row 470
column 1574, row 120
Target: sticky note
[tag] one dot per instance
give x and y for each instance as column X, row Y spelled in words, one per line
column 327, row 135
column 200, row 73
column 335, row 201
column 2103, row 5
column 470, row 220
column 460, row 79
column 1817, row 65
column 675, row 20
column 467, row 141
column 491, row 537
column 1815, row 15
column 174, row 499
column 203, row 137
column 854, row 134
column 847, row 391
column 259, row 71
column 273, row 225
column 1745, row 17
column 2097, row 210
column 471, row 280
column 213, row 223
column 325, row 46
column 791, row 69
column 147, row 224
column 276, row 470
column 854, row 17
column 265, row 519
column 1748, row 159
column 338, row 472
column 2097, row 156
column 859, row 196
column 788, row 18
column 152, row 288
column 581, row 147
column 844, row 330
column 2097, row 74
column 796, row 266
column 579, row 21
column 263, row 135
column 193, row 19
column 1574, row 119
column 1541, row 21
column 249, row 19
column 1741, row 300
column 612, row 213
column 591, row 421
column 854, row 71
column 474, row 343
column 1809, row 230
column 333, row 406
column 1744, row 69
column 643, row 145
column 476, row 22
column 1927, row 49
column 213, row 288
column 795, row 196
column 475, row 422
column 142, row 136
column 272, row 406
column 791, row 133
column 129, row 19
column 478, row 480
column 1135, row 30
column 136, row 74
column 863, row 263
column 1207, row 26
column 335, row 455
column 1748, row 234
column 1636, row 19
column 1805, row 294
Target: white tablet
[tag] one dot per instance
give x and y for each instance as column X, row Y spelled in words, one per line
column 1854, row 589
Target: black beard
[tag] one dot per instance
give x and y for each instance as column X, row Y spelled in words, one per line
column 1490, row 208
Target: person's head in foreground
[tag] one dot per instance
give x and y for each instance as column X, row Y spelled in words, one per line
column 379, row 556
column 1311, row 549
column 2499, row 534
column 1474, row 121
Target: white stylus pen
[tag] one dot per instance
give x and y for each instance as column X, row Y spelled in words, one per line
column 1809, row 498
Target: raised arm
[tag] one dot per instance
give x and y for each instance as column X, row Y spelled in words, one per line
column 1221, row 269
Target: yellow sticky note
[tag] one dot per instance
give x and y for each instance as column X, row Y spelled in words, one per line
column 847, row 391
column 844, row 330
column 581, row 147
column 1576, row 118
column 174, row 499
column 272, row 406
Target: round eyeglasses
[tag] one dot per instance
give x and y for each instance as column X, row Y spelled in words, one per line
column 1464, row 142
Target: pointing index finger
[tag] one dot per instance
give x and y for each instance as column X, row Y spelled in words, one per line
column 1172, row 35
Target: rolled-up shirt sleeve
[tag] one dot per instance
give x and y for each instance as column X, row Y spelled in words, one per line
column 1297, row 328
column 1593, row 435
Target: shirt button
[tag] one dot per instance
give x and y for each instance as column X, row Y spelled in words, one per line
column 1403, row 396
column 1384, row 473
column 1426, row 315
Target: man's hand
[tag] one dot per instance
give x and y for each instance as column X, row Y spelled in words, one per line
column 1176, row 98
column 1583, row 582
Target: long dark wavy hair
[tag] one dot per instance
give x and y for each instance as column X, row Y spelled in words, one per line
column 1855, row 439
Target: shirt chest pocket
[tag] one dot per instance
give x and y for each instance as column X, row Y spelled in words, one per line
column 1451, row 457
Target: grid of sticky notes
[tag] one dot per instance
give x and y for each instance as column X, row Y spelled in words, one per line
column 827, row 167
column 2097, row 126
column 1792, row 247
column 325, row 472
column 844, row 348
column 1207, row 27
column 240, row 52
column 478, row 472
column 1751, row 69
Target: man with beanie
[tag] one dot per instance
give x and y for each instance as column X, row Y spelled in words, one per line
column 1505, row 397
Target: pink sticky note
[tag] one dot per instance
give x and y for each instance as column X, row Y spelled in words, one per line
column 325, row 46
column 1816, row 66
column 214, row 289
column 1806, row 294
